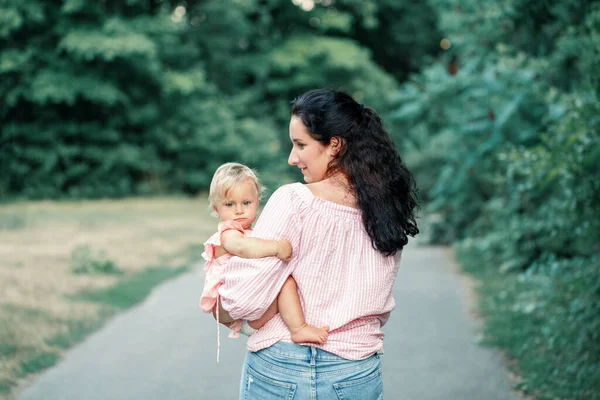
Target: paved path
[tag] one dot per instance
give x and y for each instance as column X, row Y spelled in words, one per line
column 165, row 347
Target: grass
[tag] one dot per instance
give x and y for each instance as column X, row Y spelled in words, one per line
column 548, row 327
column 132, row 290
column 66, row 267
column 38, row 362
column 77, row 331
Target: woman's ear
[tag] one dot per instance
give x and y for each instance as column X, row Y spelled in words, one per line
column 335, row 145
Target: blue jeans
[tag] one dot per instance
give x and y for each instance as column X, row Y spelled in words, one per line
column 290, row 371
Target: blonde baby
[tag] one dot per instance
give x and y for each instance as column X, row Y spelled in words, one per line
column 234, row 197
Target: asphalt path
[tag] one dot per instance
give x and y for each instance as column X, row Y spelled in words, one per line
column 165, row 348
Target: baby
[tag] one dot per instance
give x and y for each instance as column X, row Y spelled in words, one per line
column 234, row 197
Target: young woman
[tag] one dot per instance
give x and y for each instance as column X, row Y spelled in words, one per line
column 347, row 226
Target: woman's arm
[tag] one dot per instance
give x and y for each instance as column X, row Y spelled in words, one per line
column 224, row 317
column 251, row 247
column 250, row 285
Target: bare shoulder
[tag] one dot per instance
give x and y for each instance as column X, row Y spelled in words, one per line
column 334, row 191
column 318, row 189
column 313, row 187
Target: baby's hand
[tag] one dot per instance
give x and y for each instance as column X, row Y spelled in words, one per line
column 284, row 250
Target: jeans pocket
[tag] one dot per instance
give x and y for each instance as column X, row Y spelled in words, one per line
column 369, row 387
column 259, row 387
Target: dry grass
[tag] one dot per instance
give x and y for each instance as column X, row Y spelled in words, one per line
column 36, row 279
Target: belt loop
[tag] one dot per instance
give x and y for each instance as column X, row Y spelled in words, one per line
column 313, row 356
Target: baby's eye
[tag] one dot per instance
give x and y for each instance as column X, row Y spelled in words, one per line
column 247, row 203
column 229, row 204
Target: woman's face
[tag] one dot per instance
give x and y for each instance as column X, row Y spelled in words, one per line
column 308, row 154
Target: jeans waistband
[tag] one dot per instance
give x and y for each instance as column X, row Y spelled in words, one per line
column 299, row 352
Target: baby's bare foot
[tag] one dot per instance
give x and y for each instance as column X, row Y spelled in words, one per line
column 310, row 334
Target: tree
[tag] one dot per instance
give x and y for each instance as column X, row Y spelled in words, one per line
column 115, row 98
column 504, row 136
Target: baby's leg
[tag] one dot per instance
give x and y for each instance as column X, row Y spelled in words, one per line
column 270, row 313
column 291, row 312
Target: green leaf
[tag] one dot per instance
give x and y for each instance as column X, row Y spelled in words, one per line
column 91, row 45
column 50, row 86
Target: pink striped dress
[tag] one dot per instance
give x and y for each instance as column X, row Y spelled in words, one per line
column 212, row 274
column 342, row 281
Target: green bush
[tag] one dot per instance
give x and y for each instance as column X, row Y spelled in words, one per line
column 550, row 210
column 140, row 97
column 12, row 222
column 550, row 230
column 38, row 362
column 547, row 321
column 504, row 136
column 457, row 127
column 85, row 260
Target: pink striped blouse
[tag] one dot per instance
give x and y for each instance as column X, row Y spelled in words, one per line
column 342, row 281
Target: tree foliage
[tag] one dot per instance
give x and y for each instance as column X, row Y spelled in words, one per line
column 113, row 98
column 504, row 135
column 100, row 104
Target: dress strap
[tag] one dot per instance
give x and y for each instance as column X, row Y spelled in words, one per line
column 218, row 329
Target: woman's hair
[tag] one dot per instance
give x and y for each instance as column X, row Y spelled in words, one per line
column 226, row 177
column 384, row 187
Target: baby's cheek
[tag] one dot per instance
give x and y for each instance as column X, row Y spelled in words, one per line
column 250, row 222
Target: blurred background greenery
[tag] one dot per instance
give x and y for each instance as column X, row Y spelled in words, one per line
column 115, row 98
column 494, row 106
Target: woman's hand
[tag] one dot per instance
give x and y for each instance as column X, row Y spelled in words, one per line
column 284, row 250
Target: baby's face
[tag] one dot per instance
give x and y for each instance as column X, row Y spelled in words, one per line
column 239, row 204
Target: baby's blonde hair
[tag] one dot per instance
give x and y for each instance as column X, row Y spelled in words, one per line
column 226, row 177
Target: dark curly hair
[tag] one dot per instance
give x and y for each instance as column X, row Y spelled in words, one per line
column 384, row 187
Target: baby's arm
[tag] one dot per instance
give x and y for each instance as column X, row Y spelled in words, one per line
column 250, row 247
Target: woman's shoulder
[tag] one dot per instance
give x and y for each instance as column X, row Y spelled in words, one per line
column 302, row 198
column 291, row 187
column 293, row 196
column 290, row 191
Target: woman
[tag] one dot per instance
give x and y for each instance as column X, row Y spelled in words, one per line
column 347, row 226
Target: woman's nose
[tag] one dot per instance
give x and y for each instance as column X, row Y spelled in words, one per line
column 292, row 159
